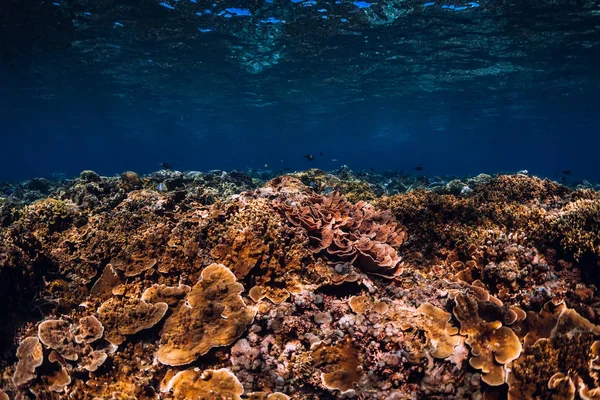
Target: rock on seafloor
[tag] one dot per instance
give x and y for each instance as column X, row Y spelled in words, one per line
column 311, row 285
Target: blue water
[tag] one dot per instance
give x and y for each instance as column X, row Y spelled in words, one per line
column 457, row 88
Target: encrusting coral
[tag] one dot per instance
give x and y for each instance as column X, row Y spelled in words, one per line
column 311, row 286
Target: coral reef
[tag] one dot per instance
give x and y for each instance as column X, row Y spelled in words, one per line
column 308, row 286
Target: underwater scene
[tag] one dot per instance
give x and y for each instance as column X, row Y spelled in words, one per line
column 300, row 199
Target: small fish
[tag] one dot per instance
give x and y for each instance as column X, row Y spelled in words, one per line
column 265, row 166
column 563, row 179
column 161, row 187
column 372, row 169
column 418, row 168
column 165, row 165
column 286, row 168
column 309, row 157
column 334, row 159
column 321, row 153
column 566, row 172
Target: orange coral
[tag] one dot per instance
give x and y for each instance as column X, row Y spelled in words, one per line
column 193, row 384
column 559, row 358
column 436, row 323
column 127, row 316
column 171, row 295
column 213, row 315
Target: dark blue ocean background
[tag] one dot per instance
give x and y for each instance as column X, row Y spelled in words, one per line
column 457, row 89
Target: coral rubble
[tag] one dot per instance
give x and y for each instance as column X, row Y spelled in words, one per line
column 308, row 286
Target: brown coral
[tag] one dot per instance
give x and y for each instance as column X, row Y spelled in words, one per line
column 133, row 264
column 193, row 384
column 492, row 256
column 213, row 315
column 442, row 335
column 267, row 396
column 354, row 233
column 559, row 357
column 127, row 316
column 492, row 345
column 89, row 330
column 93, row 360
column 171, row 295
column 30, row 357
column 58, row 379
column 106, row 282
column 360, row 304
column 56, row 334
column 577, row 227
column 341, row 365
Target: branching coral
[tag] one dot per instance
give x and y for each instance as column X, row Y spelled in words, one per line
column 577, row 227
column 214, row 314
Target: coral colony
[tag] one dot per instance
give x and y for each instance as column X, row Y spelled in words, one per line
column 306, row 286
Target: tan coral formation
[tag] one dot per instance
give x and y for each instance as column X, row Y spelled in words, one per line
column 193, row 384
column 214, row 314
column 559, row 358
column 56, row 334
column 442, row 335
column 127, row 316
column 30, row 357
column 492, row 345
column 488, row 294
column 340, row 363
column 89, row 330
column 171, row 295
column 354, row 233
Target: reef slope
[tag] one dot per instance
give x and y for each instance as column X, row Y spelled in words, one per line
column 306, row 286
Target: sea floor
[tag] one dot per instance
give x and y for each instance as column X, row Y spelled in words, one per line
column 309, row 285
